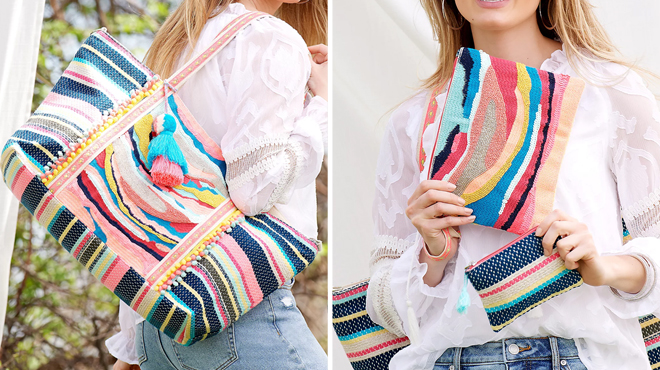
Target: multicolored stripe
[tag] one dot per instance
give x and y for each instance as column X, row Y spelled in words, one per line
column 518, row 278
column 651, row 333
column 504, row 129
column 368, row 345
column 106, row 211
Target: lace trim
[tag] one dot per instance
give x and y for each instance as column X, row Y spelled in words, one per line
column 254, row 146
column 387, row 247
column 237, row 168
column 642, row 217
column 383, row 305
column 291, row 171
column 255, row 170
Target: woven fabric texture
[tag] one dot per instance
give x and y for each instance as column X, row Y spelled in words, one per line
column 184, row 258
column 518, row 277
column 368, row 345
column 502, row 137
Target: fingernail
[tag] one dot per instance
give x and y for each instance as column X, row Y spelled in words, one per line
column 452, row 186
column 472, row 218
column 462, row 201
column 538, row 231
column 469, row 211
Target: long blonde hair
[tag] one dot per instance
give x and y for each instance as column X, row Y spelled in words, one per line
column 570, row 21
column 183, row 27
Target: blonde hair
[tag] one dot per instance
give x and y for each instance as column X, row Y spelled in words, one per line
column 570, row 21
column 183, row 27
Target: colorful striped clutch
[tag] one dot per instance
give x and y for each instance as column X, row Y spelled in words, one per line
column 502, row 137
column 181, row 256
column 368, row 345
column 518, row 277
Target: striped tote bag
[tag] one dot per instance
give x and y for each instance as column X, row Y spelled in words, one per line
column 120, row 173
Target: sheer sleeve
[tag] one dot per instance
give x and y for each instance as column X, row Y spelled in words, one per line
column 122, row 344
column 397, row 177
column 274, row 142
column 635, row 163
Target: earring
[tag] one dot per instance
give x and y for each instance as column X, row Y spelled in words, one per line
column 541, row 16
column 444, row 15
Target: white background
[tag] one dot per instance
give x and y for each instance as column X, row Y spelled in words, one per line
column 382, row 49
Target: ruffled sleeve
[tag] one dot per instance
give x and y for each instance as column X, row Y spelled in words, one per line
column 635, row 163
column 274, row 142
column 122, row 344
column 397, row 177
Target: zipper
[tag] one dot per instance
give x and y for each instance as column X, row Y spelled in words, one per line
column 428, row 173
column 475, row 264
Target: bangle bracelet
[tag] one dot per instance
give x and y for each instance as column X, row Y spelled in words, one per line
column 445, row 252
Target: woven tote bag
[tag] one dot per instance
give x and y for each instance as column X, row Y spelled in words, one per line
column 502, row 137
column 182, row 256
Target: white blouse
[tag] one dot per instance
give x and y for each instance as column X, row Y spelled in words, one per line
column 251, row 99
column 611, row 169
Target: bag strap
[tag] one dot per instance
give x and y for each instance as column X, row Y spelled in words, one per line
column 224, row 37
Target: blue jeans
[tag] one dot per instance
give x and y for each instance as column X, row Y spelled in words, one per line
column 273, row 335
column 548, row 353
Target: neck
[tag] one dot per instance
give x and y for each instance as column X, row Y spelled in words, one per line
column 523, row 43
column 266, row 6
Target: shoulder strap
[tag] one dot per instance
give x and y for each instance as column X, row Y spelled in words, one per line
column 224, row 37
column 429, row 118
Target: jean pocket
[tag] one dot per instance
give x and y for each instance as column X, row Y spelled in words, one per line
column 572, row 364
column 213, row 353
column 139, row 343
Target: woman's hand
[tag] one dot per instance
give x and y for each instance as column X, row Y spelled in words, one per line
column 318, row 80
column 578, row 251
column 121, row 365
column 431, row 208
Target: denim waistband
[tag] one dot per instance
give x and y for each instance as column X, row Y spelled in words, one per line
column 510, row 350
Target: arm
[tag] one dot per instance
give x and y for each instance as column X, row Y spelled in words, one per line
column 273, row 144
column 627, row 274
column 397, row 177
column 400, row 198
column 122, row 344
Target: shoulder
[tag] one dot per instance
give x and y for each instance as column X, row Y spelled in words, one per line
column 609, row 76
column 406, row 119
column 272, row 30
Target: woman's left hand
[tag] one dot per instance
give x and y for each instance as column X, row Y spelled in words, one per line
column 318, row 80
column 576, row 246
column 578, row 251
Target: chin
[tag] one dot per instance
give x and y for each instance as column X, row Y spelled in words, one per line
column 492, row 22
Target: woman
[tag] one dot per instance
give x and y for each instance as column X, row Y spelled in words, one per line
column 611, row 168
column 251, row 99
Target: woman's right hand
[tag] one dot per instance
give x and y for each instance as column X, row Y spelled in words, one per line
column 318, row 80
column 432, row 208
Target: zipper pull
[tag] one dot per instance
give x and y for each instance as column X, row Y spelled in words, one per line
column 102, row 29
column 470, row 266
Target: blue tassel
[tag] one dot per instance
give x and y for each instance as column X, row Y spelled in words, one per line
column 165, row 159
column 464, row 299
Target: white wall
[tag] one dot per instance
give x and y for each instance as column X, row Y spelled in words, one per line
column 382, row 49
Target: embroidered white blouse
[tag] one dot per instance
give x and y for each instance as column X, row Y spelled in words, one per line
column 611, row 169
column 250, row 99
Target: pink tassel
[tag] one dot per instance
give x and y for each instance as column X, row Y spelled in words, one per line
column 166, row 173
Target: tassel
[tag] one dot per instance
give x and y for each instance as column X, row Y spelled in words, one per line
column 165, row 160
column 464, row 299
column 413, row 325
